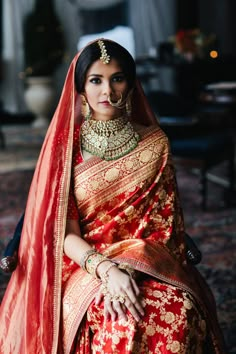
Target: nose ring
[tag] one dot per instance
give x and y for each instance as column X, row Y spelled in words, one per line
column 118, row 103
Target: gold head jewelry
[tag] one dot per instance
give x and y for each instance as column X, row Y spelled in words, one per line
column 105, row 58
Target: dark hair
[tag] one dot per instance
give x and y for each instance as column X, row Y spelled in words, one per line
column 92, row 53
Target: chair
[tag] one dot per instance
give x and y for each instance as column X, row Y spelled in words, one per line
column 9, row 260
column 191, row 146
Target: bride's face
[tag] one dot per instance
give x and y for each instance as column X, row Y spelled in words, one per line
column 104, row 81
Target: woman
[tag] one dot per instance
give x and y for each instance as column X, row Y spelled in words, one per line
column 102, row 264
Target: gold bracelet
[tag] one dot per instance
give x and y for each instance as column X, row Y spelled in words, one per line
column 105, row 275
column 93, row 262
column 85, row 256
column 106, row 292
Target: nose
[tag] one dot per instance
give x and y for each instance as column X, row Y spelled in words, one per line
column 108, row 89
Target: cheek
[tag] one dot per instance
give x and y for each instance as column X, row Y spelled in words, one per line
column 91, row 98
column 124, row 88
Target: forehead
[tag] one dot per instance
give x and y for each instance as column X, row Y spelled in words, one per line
column 98, row 68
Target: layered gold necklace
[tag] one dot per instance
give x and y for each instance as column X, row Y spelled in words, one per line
column 109, row 139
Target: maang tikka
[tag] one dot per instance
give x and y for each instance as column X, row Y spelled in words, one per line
column 105, row 58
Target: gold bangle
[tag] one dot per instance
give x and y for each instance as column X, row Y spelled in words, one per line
column 127, row 268
column 85, row 256
column 104, row 276
column 93, row 262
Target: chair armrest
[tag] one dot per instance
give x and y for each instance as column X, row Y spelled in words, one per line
column 193, row 254
column 8, row 262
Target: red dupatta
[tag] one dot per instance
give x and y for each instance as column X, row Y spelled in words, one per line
column 30, row 310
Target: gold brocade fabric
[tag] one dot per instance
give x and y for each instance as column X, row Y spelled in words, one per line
column 97, row 181
column 46, row 303
column 129, row 211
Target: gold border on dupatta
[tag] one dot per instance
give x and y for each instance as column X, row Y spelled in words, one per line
column 59, row 232
column 79, row 292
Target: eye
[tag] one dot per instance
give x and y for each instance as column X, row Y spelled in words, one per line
column 95, row 80
column 118, row 78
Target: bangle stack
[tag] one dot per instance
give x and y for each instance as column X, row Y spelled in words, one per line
column 90, row 261
column 85, row 257
column 93, row 262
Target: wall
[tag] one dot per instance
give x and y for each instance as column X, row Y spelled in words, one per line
column 12, row 85
column 218, row 16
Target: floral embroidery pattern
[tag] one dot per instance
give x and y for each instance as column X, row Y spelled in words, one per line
column 169, row 325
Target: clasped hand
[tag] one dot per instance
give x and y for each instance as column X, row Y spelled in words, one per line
column 122, row 294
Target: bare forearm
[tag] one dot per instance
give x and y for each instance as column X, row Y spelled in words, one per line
column 75, row 247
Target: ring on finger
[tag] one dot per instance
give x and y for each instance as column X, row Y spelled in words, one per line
column 120, row 298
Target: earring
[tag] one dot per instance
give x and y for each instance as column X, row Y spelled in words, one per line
column 128, row 104
column 85, row 108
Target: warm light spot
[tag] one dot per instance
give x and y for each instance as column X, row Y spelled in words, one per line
column 213, row 54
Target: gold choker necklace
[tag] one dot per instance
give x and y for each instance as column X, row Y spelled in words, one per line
column 109, row 139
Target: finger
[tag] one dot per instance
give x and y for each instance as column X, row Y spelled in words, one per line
column 135, row 312
column 99, row 296
column 135, row 287
column 120, row 310
column 108, row 309
column 137, row 304
column 133, row 293
column 132, row 290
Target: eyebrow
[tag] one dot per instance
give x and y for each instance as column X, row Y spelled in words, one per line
column 99, row 75
column 95, row 75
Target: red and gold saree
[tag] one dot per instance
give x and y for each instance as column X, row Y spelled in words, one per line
column 129, row 210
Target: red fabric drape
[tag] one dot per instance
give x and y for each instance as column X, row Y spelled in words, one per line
column 31, row 308
column 33, row 296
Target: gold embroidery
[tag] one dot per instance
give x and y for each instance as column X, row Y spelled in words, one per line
column 158, row 329
column 169, row 317
column 145, row 156
column 112, row 175
column 59, row 231
column 98, row 181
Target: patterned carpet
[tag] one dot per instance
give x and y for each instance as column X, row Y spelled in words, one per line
column 214, row 231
